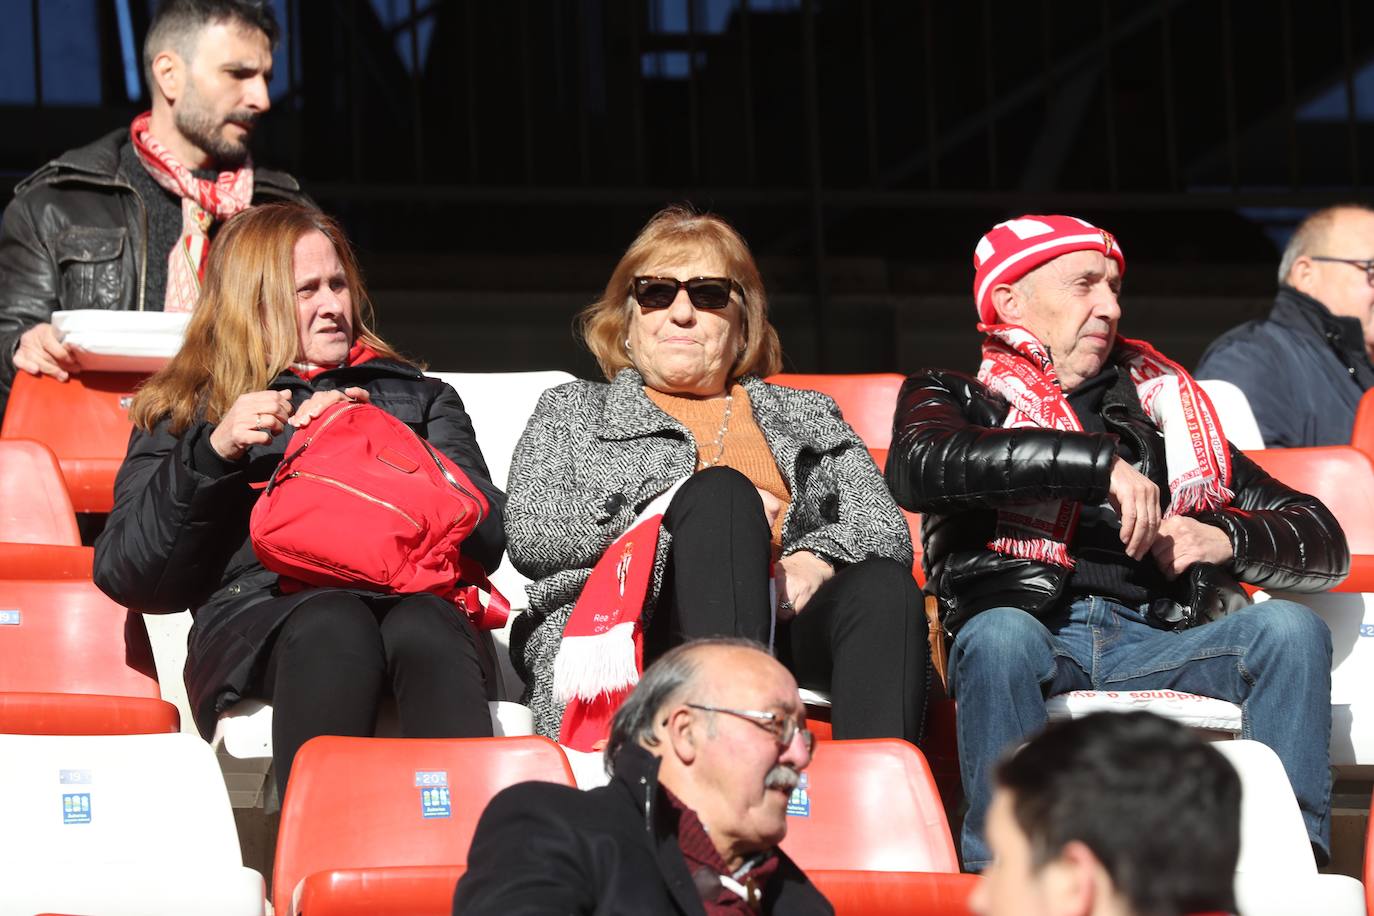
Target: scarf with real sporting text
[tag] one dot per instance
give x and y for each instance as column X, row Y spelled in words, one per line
column 602, row 652
column 1018, row 367
column 202, row 203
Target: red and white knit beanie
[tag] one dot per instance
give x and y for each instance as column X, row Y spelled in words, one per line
column 1013, row 249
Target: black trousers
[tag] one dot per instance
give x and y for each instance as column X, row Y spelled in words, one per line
column 338, row 654
column 861, row 637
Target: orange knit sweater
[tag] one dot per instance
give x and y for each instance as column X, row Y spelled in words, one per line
column 745, row 449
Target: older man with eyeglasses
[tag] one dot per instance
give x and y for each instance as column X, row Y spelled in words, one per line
column 1305, row 367
column 703, row 757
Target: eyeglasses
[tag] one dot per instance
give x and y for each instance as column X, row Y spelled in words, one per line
column 782, row 728
column 705, row 292
column 1366, row 266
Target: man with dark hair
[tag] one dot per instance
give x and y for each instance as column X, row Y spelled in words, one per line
column 1306, row 366
column 125, row 222
column 703, row 758
column 1124, row 814
column 1087, row 524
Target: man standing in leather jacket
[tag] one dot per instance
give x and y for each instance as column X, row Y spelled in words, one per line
column 124, row 223
column 1086, row 522
column 1306, row 366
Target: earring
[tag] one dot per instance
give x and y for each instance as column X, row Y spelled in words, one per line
column 627, row 344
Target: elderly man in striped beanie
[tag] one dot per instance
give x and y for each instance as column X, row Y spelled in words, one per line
column 1087, row 523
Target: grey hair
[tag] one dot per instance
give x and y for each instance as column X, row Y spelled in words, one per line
column 1311, row 234
column 663, row 684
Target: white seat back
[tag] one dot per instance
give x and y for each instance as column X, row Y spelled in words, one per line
column 1350, row 616
column 92, row 824
column 143, row 797
column 1277, row 873
column 1272, row 836
column 500, row 404
column 1237, row 419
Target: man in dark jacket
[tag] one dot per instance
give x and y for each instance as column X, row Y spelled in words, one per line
column 703, row 757
column 1305, row 367
column 1085, row 516
column 124, row 223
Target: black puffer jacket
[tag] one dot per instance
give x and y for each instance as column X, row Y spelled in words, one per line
column 951, row 460
column 178, row 535
column 76, row 237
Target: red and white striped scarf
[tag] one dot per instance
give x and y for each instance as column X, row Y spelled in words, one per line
column 202, row 202
column 602, row 653
column 1018, row 367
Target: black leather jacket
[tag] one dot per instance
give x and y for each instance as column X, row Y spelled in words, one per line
column 76, row 237
column 951, row 460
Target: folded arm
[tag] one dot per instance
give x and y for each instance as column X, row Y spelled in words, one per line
column 950, row 452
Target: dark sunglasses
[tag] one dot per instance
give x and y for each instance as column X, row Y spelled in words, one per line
column 705, row 292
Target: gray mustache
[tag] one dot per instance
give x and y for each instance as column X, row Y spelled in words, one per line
column 782, row 777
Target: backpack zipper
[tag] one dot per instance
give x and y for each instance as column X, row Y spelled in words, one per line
column 453, row 481
column 356, row 492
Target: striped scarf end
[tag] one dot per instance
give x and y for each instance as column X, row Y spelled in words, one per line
column 1041, row 550
column 1199, row 497
column 588, row 667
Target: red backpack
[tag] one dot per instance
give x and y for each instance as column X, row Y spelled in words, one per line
column 361, row 501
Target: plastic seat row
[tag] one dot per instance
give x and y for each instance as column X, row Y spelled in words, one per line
column 375, row 825
column 142, row 824
column 868, row 825
column 868, row 402
column 71, row 660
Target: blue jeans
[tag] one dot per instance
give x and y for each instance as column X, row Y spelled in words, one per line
column 1272, row 659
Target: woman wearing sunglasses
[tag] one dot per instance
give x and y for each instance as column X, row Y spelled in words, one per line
column 781, row 528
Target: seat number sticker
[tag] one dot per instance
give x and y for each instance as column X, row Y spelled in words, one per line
column 434, row 802
column 76, row 808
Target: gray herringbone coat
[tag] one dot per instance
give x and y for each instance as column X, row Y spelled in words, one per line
column 594, row 454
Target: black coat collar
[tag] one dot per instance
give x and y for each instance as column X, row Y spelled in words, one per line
column 1299, row 310
column 636, row 770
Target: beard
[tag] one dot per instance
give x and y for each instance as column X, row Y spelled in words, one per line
column 782, row 777
column 198, row 124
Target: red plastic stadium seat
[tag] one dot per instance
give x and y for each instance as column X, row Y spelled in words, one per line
column 72, row 662
column 1362, row 436
column 45, row 561
column 85, row 421
column 1369, row 853
column 1342, row 477
column 34, row 506
column 869, row 806
column 867, row 401
column 887, row 893
column 412, row 889
column 369, row 811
